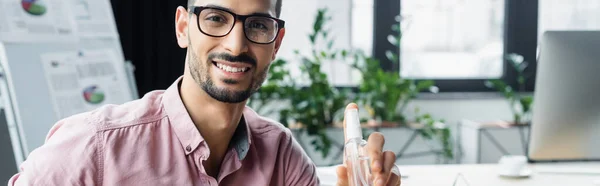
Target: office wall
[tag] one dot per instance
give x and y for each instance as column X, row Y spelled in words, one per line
column 454, row 110
column 476, row 109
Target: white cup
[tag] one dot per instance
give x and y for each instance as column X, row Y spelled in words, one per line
column 512, row 165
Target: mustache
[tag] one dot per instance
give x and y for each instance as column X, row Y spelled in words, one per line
column 242, row 58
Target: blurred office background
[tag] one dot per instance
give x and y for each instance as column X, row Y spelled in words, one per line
column 451, row 57
column 458, row 44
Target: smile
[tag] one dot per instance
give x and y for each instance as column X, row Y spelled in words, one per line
column 231, row 69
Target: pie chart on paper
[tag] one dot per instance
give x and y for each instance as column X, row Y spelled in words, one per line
column 34, row 7
column 93, row 95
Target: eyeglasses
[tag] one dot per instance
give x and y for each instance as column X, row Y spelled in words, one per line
column 217, row 22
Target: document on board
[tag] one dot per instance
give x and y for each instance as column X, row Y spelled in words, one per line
column 85, row 80
column 36, row 21
column 94, row 18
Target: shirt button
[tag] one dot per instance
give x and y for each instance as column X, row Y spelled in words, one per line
column 188, row 148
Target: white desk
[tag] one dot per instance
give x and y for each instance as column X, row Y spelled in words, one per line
column 486, row 175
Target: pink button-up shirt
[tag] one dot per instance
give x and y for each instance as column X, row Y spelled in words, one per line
column 153, row 141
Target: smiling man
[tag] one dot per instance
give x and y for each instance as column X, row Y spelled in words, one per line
column 199, row 131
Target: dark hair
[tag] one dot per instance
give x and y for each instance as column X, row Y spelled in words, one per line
column 277, row 6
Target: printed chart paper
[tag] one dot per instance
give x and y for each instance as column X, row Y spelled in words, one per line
column 82, row 81
column 94, row 19
column 36, row 21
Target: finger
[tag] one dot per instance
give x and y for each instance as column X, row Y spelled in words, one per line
column 394, row 180
column 389, row 160
column 374, row 146
column 342, row 175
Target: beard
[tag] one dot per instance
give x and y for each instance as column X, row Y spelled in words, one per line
column 200, row 73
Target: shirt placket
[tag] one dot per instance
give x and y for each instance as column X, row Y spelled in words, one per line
column 199, row 156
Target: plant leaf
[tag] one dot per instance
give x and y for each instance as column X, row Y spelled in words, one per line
column 396, row 27
column 344, row 53
column 526, row 102
column 391, row 56
column 424, row 85
column 393, row 39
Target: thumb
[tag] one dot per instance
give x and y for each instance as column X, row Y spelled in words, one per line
column 342, row 176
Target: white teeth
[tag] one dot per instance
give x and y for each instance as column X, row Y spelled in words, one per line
column 231, row 69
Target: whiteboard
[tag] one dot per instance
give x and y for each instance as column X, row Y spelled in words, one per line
column 32, row 30
column 30, row 99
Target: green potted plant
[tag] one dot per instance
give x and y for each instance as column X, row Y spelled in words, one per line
column 386, row 95
column 520, row 104
column 435, row 130
column 318, row 105
column 313, row 107
column 383, row 93
column 274, row 89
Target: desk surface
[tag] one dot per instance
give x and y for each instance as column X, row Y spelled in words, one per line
column 580, row 174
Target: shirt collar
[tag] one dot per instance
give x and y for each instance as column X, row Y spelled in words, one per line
column 179, row 119
column 241, row 139
column 186, row 130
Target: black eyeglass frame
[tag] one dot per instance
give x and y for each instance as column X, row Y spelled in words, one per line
column 197, row 9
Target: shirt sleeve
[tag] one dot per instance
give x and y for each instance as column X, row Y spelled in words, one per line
column 69, row 156
column 300, row 170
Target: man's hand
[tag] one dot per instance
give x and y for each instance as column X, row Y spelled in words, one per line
column 382, row 162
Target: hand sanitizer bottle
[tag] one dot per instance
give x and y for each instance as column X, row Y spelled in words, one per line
column 357, row 160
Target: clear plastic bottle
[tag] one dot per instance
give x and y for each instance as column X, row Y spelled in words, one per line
column 357, row 161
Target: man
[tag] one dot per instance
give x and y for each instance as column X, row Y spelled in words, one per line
column 198, row 131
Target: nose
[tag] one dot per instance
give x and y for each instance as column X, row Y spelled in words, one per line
column 235, row 42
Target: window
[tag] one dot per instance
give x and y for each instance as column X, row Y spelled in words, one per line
column 452, row 39
column 362, row 25
column 575, row 15
column 299, row 17
column 459, row 43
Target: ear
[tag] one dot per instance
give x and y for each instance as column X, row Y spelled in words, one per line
column 278, row 42
column 181, row 27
